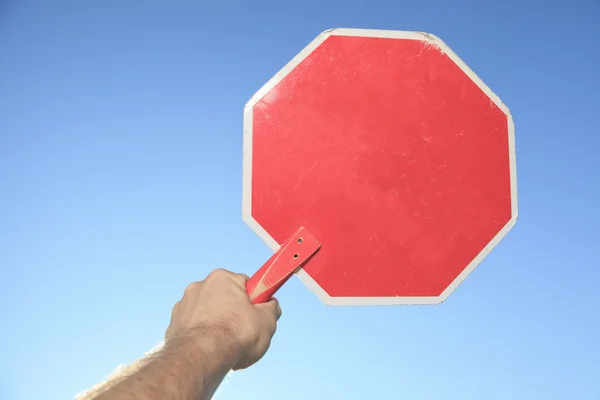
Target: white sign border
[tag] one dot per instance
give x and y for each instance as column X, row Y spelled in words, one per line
column 247, row 168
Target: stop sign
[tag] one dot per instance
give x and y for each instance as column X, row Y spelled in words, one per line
column 392, row 154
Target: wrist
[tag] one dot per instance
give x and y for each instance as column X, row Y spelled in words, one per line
column 211, row 343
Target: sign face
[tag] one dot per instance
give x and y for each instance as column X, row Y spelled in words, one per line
column 393, row 154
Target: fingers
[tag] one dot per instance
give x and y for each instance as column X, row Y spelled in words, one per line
column 278, row 311
column 271, row 312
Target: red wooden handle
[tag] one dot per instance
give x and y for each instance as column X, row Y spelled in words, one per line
column 294, row 253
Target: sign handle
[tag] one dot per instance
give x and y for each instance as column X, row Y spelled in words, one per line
column 290, row 257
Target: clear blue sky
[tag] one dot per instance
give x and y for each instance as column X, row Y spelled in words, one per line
column 120, row 183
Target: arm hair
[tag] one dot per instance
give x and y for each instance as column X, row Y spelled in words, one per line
column 120, row 373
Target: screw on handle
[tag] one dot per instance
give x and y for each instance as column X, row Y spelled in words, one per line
column 290, row 257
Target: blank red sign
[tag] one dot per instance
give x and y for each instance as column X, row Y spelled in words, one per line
column 393, row 154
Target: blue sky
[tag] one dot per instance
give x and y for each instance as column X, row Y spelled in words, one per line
column 120, row 183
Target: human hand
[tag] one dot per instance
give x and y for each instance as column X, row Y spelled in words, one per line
column 221, row 303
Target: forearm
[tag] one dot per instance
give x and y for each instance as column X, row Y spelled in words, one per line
column 189, row 367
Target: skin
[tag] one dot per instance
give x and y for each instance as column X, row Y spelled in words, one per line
column 214, row 329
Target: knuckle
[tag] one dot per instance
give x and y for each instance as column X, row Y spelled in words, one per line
column 244, row 277
column 218, row 273
column 241, row 279
column 192, row 288
column 223, row 275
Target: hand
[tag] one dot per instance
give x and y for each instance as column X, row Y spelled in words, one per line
column 221, row 302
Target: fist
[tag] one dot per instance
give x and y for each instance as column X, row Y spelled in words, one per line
column 221, row 304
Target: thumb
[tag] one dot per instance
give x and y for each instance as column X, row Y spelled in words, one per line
column 271, row 307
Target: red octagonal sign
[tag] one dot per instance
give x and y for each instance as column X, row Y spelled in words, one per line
column 393, row 154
